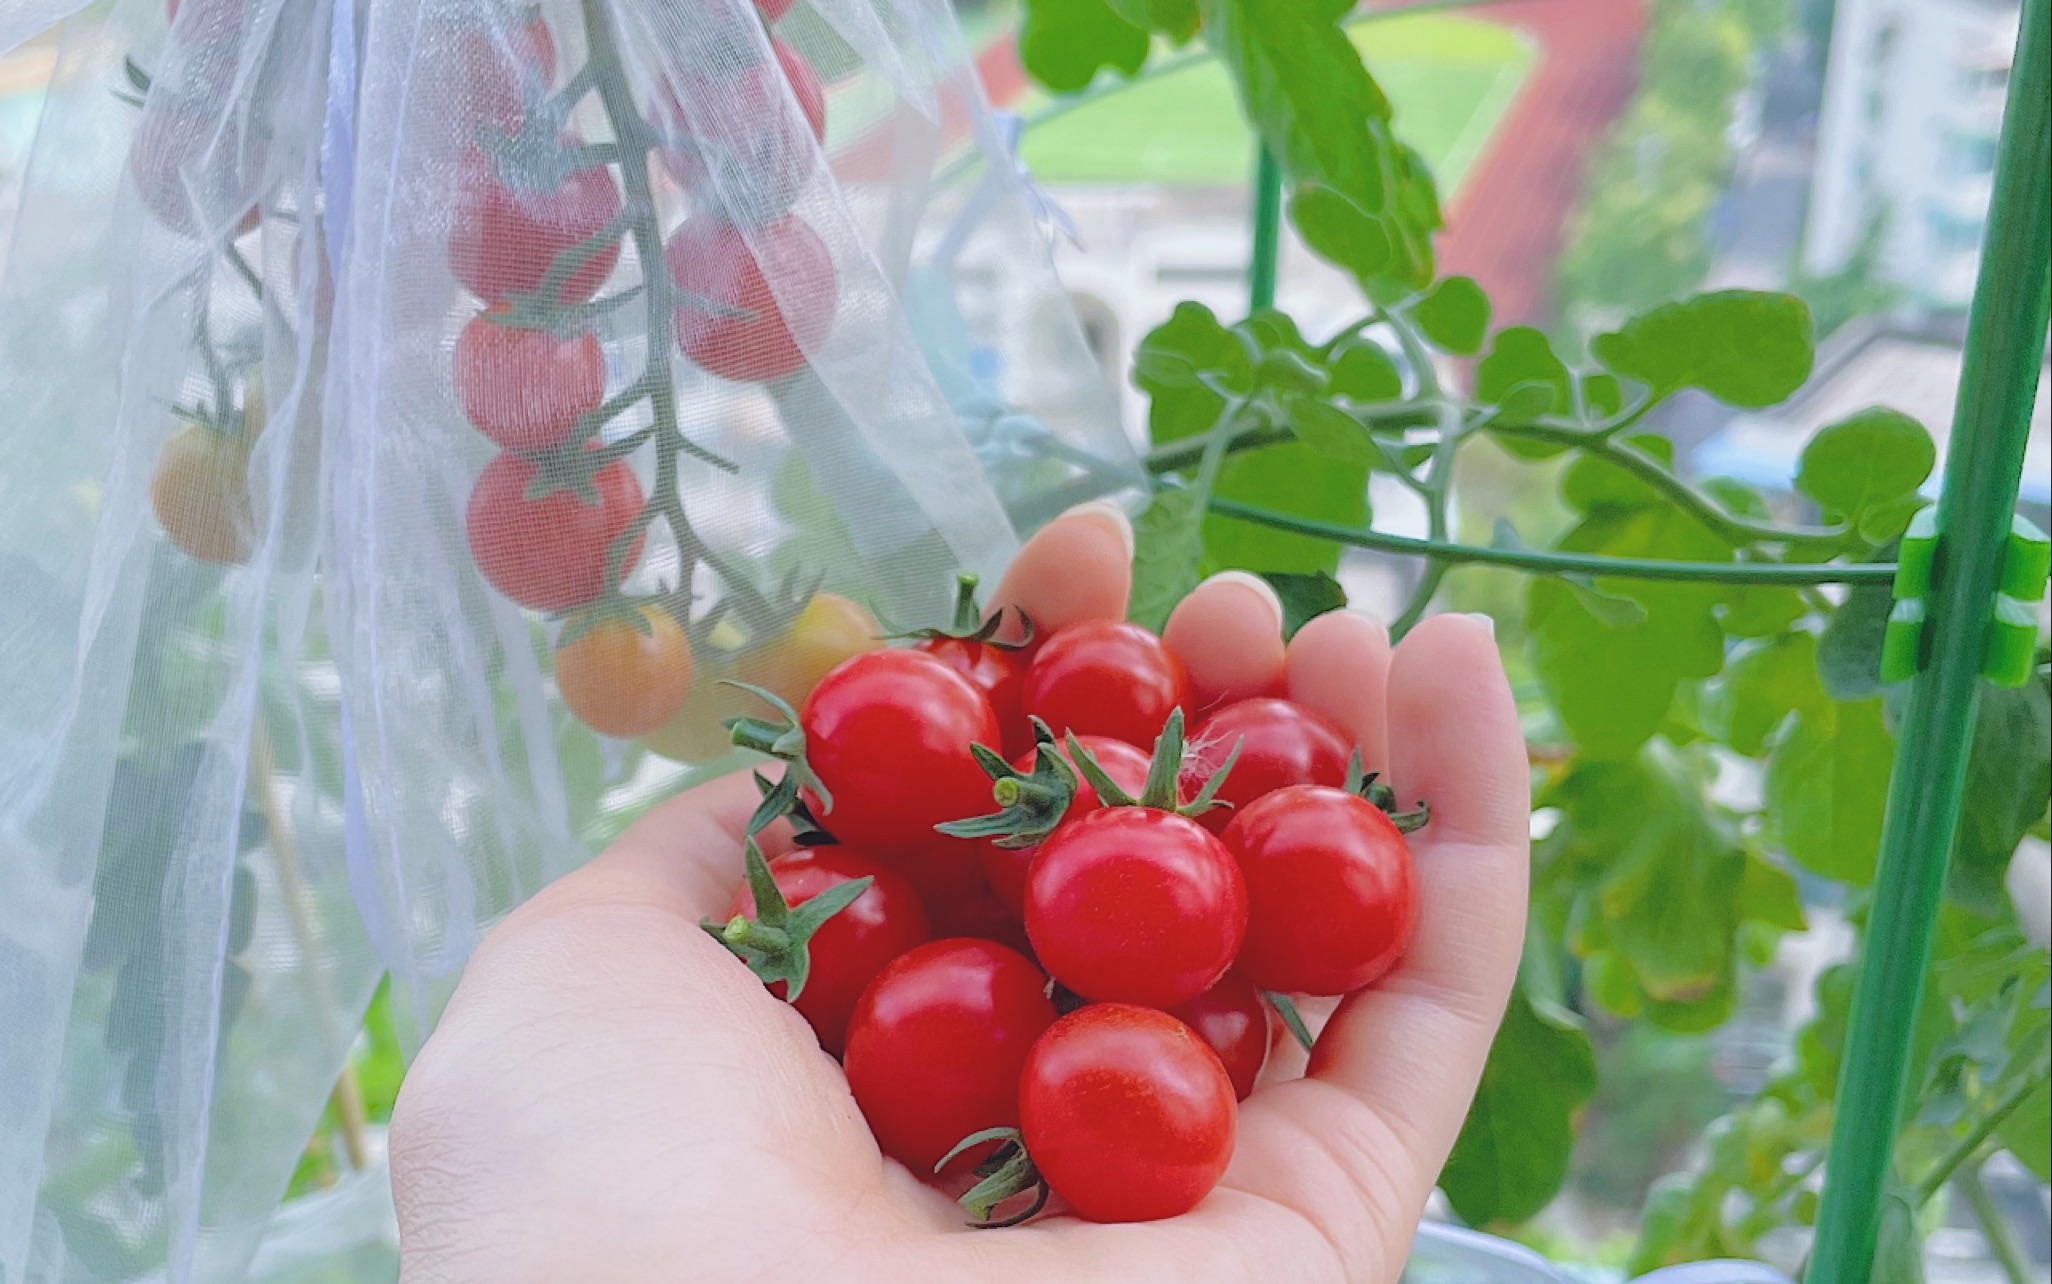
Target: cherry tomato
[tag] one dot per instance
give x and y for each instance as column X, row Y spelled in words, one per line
column 550, row 553
column 1127, row 1113
column 850, row 948
column 200, row 491
column 772, row 10
column 526, row 389
column 1133, row 905
column 708, row 258
column 625, row 681
column 505, row 235
column 747, row 152
column 957, row 896
column 1332, row 896
column 473, row 71
column 1233, row 1020
column 936, row 1043
column 827, row 631
column 1280, row 744
column 1000, row 674
column 188, row 167
column 1006, row 867
column 888, row 734
column 1107, row 678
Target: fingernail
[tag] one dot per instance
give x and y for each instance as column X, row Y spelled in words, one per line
column 1259, row 586
column 1108, row 515
column 1486, row 621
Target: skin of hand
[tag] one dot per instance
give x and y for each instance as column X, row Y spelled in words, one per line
column 610, row 1096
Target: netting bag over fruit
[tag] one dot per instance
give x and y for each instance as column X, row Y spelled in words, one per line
column 415, row 411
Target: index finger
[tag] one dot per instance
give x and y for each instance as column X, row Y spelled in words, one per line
column 1077, row 567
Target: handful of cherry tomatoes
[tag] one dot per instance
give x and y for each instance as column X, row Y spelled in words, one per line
column 1042, row 928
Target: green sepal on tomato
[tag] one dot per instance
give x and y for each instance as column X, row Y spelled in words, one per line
column 970, row 646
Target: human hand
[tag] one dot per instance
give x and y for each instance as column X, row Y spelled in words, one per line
column 611, row 1096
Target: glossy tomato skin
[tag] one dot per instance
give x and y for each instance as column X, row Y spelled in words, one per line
column 624, row 680
column 1281, row 744
column 1331, row 892
column 855, row 944
column 505, row 235
column 526, row 389
column 936, row 1043
column 1106, row 678
column 1006, row 867
column 1232, row 1020
column 549, row 553
column 710, row 258
column 1134, row 905
column 1127, row 1112
column 888, row 734
column 1001, row 676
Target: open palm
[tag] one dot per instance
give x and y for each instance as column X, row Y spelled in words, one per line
column 612, row 1097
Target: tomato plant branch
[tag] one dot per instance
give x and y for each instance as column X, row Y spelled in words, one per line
column 1984, row 1127
column 632, row 135
column 1636, row 568
column 2002, row 1245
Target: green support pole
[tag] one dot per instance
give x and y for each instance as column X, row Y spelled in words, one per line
column 2005, row 346
column 1268, row 185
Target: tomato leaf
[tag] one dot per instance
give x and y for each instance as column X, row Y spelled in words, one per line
column 1176, row 19
column 1065, row 43
column 1454, row 315
column 1826, row 787
column 1899, row 1246
column 1849, row 651
column 1168, row 544
column 2009, row 776
column 1362, row 371
column 1512, row 1155
column 1305, row 597
column 1330, row 431
column 1865, row 471
column 1743, row 347
column 1338, row 230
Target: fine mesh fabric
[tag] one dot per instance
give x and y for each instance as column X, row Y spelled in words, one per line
column 717, row 310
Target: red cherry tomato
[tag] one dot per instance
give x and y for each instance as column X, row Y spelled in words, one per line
column 526, row 389
column 188, row 167
column 708, row 258
column 1006, row 867
column 1127, row 1113
column 1133, row 905
column 1280, row 744
column 888, row 734
column 1233, row 1020
column 935, row 1046
column 549, row 553
column 1001, row 676
column 745, row 152
column 505, row 236
column 772, row 10
column 1332, row 896
column 1107, row 678
column 853, row 946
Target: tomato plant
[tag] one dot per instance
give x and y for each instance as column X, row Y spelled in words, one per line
column 752, row 152
column 849, row 948
column 1127, row 1113
column 522, row 386
column 1331, row 893
column 509, row 228
column 732, row 323
column 936, row 1044
column 1106, row 678
column 624, row 675
column 550, row 551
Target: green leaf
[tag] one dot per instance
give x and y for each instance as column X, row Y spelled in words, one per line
column 2027, row 1134
column 1330, row 431
column 1743, row 347
column 1521, row 355
column 1608, row 609
column 1171, row 364
column 1339, row 231
column 1849, row 652
column 1826, row 787
column 1769, row 895
column 1065, row 43
column 1305, row 597
column 2009, row 777
column 1602, row 395
column 1168, row 544
column 1512, row 1155
column 1612, row 686
column 1860, row 470
column 1592, row 483
column 1362, row 371
column 1454, row 315
column 1899, row 1246
column 1761, row 686
column 1761, row 610
column 1294, row 478
column 1176, row 19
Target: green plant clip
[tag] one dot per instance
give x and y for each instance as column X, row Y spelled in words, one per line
column 2013, row 632
column 1902, row 644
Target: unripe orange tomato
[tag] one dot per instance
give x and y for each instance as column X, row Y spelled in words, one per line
column 621, row 680
column 200, row 491
column 829, row 629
